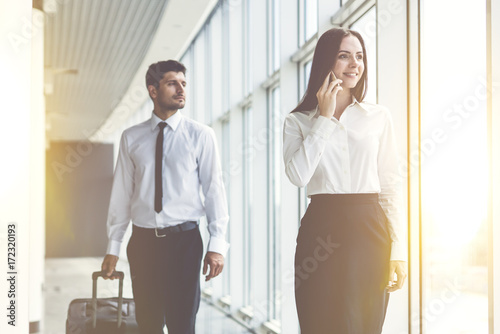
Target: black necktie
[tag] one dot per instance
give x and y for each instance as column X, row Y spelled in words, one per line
column 158, row 168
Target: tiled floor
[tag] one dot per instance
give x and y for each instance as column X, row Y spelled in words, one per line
column 67, row 279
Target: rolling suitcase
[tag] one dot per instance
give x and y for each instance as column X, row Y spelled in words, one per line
column 100, row 315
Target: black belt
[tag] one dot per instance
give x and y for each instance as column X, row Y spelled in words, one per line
column 162, row 232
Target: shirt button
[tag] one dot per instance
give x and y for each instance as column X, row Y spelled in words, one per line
column 345, row 172
column 343, row 148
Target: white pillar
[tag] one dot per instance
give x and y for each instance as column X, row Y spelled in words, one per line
column 393, row 93
column 37, row 175
column 15, row 65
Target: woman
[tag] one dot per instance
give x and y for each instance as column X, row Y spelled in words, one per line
column 349, row 254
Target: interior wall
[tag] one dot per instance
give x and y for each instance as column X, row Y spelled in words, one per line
column 79, row 178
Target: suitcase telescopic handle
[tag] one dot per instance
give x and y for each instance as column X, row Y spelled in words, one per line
column 95, row 276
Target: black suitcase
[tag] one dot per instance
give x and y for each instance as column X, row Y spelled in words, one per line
column 100, row 315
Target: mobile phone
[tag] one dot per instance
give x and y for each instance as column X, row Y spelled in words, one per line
column 333, row 77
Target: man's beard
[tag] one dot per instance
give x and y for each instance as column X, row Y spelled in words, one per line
column 173, row 106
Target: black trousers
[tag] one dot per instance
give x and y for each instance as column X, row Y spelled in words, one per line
column 341, row 265
column 165, row 279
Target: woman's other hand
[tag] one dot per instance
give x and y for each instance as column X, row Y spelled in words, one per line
column 397, row 275
column 327, row 95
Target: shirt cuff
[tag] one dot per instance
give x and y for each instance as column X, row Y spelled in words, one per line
column 114, row 247
column 218, row 245
column 323, row 127
column 398, row 252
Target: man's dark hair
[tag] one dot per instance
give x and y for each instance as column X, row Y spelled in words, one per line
column 157, row 70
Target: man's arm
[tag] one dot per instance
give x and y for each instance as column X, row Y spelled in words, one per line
column 210, row 175
column 119, row 207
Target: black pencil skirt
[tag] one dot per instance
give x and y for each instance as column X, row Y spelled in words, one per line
column 341, row 265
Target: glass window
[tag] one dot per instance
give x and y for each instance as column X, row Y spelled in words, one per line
column 226, row 168
column 187, row 60
column 225, row 9
column 366, row 26
column 199, row 70
column 247, row 35
column 274, row 36
column 310, row 18
column 274, row 185
column 454, row 160
column 306, row 73
column 215, row 46
column 248, row 157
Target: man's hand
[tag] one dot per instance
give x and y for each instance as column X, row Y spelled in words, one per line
column 109, row 265
column 216, row 263
column 398, row 268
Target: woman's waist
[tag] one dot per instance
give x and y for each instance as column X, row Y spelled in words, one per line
column 343, row 186
column 344, row 198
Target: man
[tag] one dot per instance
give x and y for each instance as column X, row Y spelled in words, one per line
column 162, row 164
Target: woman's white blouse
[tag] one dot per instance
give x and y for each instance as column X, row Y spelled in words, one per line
column 356, row 154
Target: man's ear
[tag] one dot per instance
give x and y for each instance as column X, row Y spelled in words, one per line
column 152, row 91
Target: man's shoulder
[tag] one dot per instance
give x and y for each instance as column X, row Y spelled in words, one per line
column 138, row 128
column 196, row 128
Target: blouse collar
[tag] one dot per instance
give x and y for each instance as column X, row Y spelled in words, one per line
column 315, row 113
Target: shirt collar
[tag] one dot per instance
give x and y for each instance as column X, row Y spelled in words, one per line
column 354, row 102
column 173, row 121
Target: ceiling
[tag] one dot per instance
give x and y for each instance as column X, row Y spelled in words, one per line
column 97, row 53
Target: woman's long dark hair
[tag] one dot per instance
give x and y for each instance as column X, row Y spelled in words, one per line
column 324, row 59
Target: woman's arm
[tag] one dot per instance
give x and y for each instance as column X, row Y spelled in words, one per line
column 391, row 197
column 302, row 154
column 391, row 201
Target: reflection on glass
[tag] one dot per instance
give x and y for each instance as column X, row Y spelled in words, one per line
column 454, row 168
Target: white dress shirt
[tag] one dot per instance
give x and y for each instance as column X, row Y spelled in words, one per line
column 190, row 163
column 356, row 154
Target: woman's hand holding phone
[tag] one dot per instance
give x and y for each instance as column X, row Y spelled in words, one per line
column 327, row 95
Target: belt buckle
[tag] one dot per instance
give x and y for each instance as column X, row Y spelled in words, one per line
column 159, row 235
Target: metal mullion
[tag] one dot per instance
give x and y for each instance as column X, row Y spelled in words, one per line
column 270, row 200
column 493, row 138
